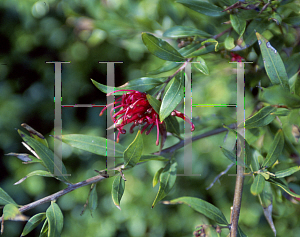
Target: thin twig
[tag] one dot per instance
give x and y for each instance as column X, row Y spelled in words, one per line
column 56, row 195
column 222, row 173
column 222, row 33
column 180, row 144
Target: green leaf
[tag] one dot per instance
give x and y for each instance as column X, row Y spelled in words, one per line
column 281, row 112
column 258, row 185
column 238, row 24
column 232, row 157
column 10, row 212
column 205, row 8
column 167, row 66
column 295, row 20
column 240, row 233
column 141, row 84
column 256, row 161
column 47, row 156
column 212, row 40
column 266, row 196
column 35, row 134
column 202, row 207
column 248, row 156
column 172, row 125
column 275, row 95
column 44, row 230
column 184, row 31
column 161, row 48
column 275, row 149
column 203, row 50
column 172, row 97
column 229, row 43
column 156, row 176
column 5, row 198
column 145, row 158
column 33, row 222
column 261, row 118
column 97, row 145
column 154, row 103
column 134, row 151
column 273, row 63
column 117, row 191
column 257, row 25
column 93, row 199
column 287, row 172
column 167, row 180
column 201, row 66
column 36, row 172
column 283, row 186
column 55, row 219
column 296, row 84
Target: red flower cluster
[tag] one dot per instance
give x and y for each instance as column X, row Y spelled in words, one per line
column 136, row 109
column 236, row 58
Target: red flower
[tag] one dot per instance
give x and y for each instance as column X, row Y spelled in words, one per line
column 236, row 58
column 136, row 109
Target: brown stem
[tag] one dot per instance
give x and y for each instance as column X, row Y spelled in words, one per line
column 222, row 33
column 237, row 201
column 56, row 195
column 180, row 144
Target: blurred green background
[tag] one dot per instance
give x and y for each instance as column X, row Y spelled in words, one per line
column 84, row 33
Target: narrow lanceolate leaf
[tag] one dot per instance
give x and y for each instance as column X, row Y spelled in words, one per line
column 273, row 63
column 140, row 84
column 257, row 25
column 184, row 31
column 47, row 156
column 201, row 66
column 238, row 24
column 33, row 173
column 172, row 97
column 93, row 199
column 276, row 95
column 262, row 118
column 281, row 112
column 117, row 191
column 5, row 198
column 33, row 222
column 232, row 157
column 97, row 145
column 35, row 134
column 205, row 8
column 55, row 220
column 154, row 103
column 134, row 151
column 202, row 207
column 201, row 51
column 258, row 185
column 156, row 177
column 44, row 230
column 283, row 186
column 167, row 180
column 172, row 125
column 275, row 149
column 266, row 200
column 161, row 48
column 287, row 172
